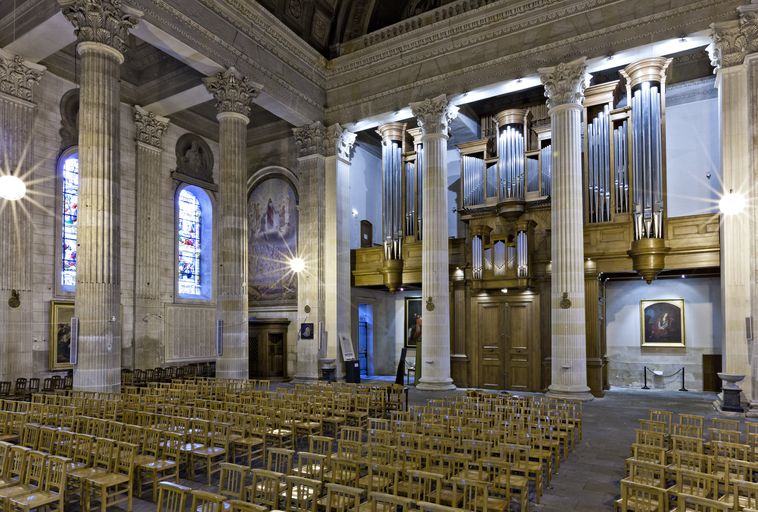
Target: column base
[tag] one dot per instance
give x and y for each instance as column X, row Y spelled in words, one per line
column 425, row 384
column 570, row 392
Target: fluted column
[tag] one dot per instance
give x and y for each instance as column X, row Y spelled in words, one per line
column 324, row 155
column 234, row 94
column 564, row 88
column 434, row 117
column 17, row 112
column 727, row 53
column 148, row 322
column 102, row 28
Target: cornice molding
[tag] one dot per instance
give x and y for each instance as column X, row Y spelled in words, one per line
column 18, row 77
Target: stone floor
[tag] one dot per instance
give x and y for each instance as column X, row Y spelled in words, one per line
column 589, row 480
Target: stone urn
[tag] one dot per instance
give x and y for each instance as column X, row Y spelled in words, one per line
column 731, row 392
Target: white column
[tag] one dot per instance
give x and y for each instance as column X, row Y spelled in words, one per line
column 148, row 321
column 102, row 28
column 434, row 117
column 17, row 112
column 727, row 55
column 234, row 94
column 564, row 88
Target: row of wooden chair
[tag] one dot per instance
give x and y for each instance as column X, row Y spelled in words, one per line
column 30, row 480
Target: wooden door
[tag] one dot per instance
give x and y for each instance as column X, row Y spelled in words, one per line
column 491, row 363
column 711, row 366
column 519, row 337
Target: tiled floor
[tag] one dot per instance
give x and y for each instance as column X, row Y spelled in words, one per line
column 589, row 480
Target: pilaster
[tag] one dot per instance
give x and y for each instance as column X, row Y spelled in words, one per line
column 17, row 112
column 434, row 116
column 234, row 94
column 564, row 89
column 148, row 322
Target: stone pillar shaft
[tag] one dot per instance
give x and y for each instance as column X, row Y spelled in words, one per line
column 564, row 87
column 434, row 116
column 148, row 323
column 98, row 273
column 17, row 112
column 234, row 94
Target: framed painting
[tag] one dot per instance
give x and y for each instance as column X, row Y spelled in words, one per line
column 412, row 321
column 61, row 312
column 662, row 323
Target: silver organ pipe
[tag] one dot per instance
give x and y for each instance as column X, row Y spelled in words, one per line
column 419, row 188
column 546, row 161
column 477, row 264
column 645, row 83
column 410, row 197
column 392, row 189
column 510, row 149
column 473, row 180
column 621, row 181
column 522, row 262
column 599, row 167
column 499, row 258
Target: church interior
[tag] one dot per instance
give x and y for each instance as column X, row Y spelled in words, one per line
column 410, row 255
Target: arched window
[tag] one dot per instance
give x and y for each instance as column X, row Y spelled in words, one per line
column 193, row 243
column 69, row 168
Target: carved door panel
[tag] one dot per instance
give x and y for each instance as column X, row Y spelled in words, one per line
column 519, row 344
column 491, row 363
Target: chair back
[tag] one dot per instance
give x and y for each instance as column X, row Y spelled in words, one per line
column 203, row 501
column 231, row 483
column 302, row 494
column 343, row 498
column 265, row 489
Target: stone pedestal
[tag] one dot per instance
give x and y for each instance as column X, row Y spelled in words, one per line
column 17, row 112
column 148, row 307
column 434, row 116
column 729, row 399
column 564, row 88
column 102, row 29
column 234, row 94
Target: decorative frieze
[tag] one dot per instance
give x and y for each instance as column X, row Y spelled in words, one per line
column 101, row 21
column 232, row 91
column 434, row 114
column 18, row 77
column 565, row 83
column 316, row 139
column 150, row 128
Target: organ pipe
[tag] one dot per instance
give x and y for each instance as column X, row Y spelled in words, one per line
column 621, row 159
column 392, row 189
column 473, row 180
column 511, row 148
column 599, row 167
column 645, row 90
column 477, row 256
column 419, row 186
column 522, row 265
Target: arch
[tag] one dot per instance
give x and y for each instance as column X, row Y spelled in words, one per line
column 273, row 171
column 193, row 213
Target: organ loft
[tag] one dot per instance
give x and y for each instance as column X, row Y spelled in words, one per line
column 273, row 207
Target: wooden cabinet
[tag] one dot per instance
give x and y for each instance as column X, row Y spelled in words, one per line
column 268, row 348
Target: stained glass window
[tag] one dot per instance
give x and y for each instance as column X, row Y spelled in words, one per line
column 70, row 179
column 188, row 250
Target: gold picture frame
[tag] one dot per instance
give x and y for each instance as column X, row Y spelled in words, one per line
column 662, row 323
column 61, row 312
column 413, row 331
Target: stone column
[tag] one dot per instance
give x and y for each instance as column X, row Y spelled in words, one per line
column 324, row 155
column 234, row 94
column 434, row 117
column 148, row 321
column 17, row 112
column 102, row 28
column 727, row 53
column 564, row 88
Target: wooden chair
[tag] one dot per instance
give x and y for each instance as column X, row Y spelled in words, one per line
column 639, row 497
column 344, row 472
column 502, row 483
column 474, row 495
column 302, row 494
column 424, row 486
column 115, row 486
column 252, row 441
column 280, row 460
column 425, row 506
column 343, row 498
column 31, row 480
column 52, row 493
column 695, row 483
column 742, row 494
column 172, row 497
column 213, row 451
column 232, row 480
column 381, row 478
column 14, row 466
column 243, row 506
column 265, row 489
column 204, row 501
column 310, row 465
column 690, row 503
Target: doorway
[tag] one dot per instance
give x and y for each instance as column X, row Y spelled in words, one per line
column 366, row 339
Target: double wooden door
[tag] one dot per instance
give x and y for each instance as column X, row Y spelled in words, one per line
column 506, row 341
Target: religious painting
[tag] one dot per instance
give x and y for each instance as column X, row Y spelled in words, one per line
column 272, row 224
column 662, row 323
column 412, row 321
column 306, row 331
column 61, row 313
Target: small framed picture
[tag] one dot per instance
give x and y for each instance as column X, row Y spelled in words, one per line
column 61, row 313
column 306, row 331
column 662, row 323
column 412, row 321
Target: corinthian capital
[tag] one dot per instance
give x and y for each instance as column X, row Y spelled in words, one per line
column 17, row 77
column 339, row 142
column 309, row 139
column 565, row 83
column 101, row 21
column 728, row 44
column 150, row 127
column 749, row 26
column 434, row 114
column 233, row 91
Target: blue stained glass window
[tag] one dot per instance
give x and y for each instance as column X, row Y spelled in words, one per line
column 188, row 250
column 70, row 213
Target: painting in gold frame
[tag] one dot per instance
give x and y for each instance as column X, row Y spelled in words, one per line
column 61, row 312
column 662, row 323
column 412, row 321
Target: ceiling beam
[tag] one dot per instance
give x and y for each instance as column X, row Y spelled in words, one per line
column 180, row 101
column 45, row 39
